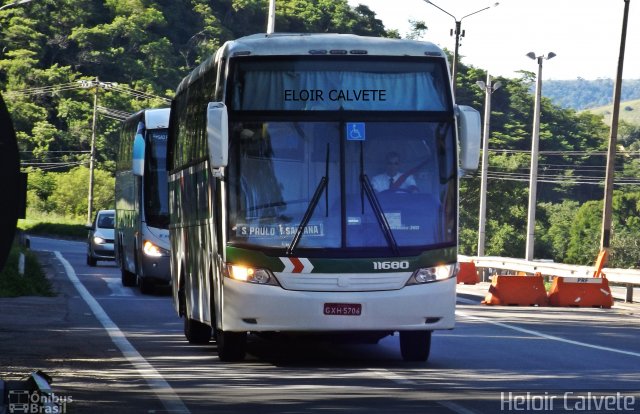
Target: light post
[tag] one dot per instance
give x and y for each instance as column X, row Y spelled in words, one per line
column 96, row 85
column 488, row 89
column 458, row 33
column 535, row 138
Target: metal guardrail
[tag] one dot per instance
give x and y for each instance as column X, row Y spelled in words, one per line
column 627, row 277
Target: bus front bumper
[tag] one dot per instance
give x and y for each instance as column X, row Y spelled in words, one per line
column 261, row 308
column 157, row 268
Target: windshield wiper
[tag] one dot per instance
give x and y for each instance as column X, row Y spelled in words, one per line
column 382, row 219
column 322, row 185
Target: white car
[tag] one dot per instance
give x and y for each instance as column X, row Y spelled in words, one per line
column 100, row 241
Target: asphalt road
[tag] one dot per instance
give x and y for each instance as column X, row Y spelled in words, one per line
column 498, row 359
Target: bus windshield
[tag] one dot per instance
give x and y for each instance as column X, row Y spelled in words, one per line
column 156, row 209
column 342, row 185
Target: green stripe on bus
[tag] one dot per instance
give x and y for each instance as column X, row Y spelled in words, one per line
column 430, row 258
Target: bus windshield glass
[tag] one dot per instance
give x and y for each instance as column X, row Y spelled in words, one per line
column 342, row 185
column 319, row 84
column 156, row 209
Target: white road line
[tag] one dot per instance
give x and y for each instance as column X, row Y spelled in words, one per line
column 115, row 285
column 546, row 336
column 391, row 376
column 158, row 385
column 401, row 380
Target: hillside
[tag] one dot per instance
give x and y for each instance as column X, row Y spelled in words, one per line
column 585, row 94
column 629, row 112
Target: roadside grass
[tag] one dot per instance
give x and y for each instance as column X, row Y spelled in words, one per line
column 32, row 283
column 44, row 224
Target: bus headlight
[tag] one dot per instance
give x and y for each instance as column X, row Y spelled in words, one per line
column 251, row 275
column 99, row 240
column 153, row 250
column 432, row 274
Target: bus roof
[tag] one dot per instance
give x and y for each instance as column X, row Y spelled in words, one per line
column 153, row 118
column 306, row 44
column 156, row 118
column 291, row 44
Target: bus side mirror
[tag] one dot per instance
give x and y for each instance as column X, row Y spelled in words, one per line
column 469, row 136
column 138, row 155
column 218, row 134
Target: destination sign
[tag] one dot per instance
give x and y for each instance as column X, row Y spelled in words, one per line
column 277, row 230
column 319, row 95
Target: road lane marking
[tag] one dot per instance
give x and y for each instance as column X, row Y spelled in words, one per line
column 546, row 336
column 401, row 380
column 115, row 285
column 391, row 376
column 167, row 396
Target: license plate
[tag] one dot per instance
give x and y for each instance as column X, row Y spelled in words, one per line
column 343, row 309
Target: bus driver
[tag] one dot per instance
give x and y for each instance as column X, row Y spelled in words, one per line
column 392, row 179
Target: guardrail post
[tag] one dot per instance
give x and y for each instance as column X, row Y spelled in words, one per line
column 629, row 292
column 486, row 276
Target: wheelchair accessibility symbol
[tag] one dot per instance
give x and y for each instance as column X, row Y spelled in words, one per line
column 355, row 131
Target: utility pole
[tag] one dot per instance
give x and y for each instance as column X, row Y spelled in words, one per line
column 605, row 239
column 96, row 85
column 533, row 176
column 93, row 151
column 488, row 89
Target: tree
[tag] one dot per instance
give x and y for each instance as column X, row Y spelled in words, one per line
column 71, row 191
column 584, row 234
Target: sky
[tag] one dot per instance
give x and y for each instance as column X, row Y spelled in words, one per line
column 584, row 34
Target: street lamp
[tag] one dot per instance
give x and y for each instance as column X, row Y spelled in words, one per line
column 488, row 89
column 458, row 33
column 533, row 176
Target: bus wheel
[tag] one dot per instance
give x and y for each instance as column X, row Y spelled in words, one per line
column 128, row 278
column 196, row 332
column 91, row 261
column 232, row 346
column 415, row 345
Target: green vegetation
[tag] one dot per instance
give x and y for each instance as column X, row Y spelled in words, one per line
column 149, row 46
column 581, row 94
column 33, row 283
column 53, row 225
column 629, row 112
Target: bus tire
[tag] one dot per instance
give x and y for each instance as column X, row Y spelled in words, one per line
column 128, row 278
column 91, row 261
column 415, row 346
column 232, row 346
column 196, row 332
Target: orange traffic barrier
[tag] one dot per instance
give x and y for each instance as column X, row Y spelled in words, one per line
column 468, row 274
column 583, row 291
column 580, row 292
column 515, row 290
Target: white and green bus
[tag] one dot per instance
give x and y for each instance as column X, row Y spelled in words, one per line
column 276, row 222
column 142, row 213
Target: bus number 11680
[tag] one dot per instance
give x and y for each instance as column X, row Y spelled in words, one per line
column 395, row 265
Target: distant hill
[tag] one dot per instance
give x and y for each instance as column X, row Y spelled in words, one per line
column 582, row 94
column 629, row 112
